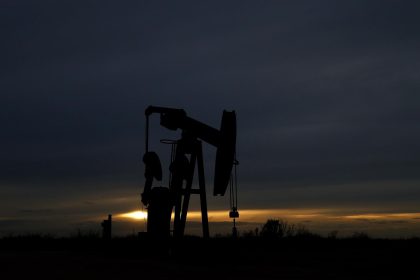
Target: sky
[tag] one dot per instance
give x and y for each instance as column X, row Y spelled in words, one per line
column 326, row 95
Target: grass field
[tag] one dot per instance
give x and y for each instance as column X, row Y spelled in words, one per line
column 36, row 257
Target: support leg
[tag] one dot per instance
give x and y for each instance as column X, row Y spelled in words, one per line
column 202, row 185
column 187, row 194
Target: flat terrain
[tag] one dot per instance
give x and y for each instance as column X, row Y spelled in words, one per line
column 194, row 258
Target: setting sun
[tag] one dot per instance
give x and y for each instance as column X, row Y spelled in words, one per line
column 137, row 215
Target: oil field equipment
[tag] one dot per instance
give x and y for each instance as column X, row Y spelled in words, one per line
column 187, row 154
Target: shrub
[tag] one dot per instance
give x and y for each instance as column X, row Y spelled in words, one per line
column 277, row 229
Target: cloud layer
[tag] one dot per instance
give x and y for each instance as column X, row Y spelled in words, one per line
column 326, row 94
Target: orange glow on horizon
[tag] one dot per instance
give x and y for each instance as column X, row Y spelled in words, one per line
column 247, row 215
column 384, row 216
column 261, row 215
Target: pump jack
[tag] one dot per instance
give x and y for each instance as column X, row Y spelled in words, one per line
column 186, row 155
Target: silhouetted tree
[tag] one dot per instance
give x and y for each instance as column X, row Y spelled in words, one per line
column 280, row 228
column 276, row 229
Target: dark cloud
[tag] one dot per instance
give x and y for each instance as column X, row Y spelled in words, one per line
column 326, row 92
column 36, row 211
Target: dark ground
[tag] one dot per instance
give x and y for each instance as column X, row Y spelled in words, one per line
column 221, row 258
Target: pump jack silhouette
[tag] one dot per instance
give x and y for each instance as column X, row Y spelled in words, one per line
column 187, row 153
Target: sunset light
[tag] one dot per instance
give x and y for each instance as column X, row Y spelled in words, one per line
column 293, row 215
column 136, row 215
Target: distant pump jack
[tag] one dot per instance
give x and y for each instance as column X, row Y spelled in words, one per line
column 107, row 227
column 186, row 154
